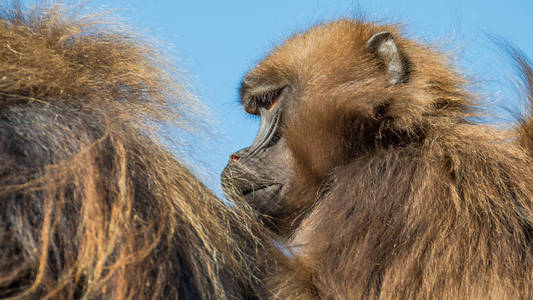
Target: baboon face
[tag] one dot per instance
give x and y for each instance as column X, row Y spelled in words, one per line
column 261, row 172
column 324, row 67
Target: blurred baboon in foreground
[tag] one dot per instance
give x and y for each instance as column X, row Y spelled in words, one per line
column 92, row 206
column 394, row 191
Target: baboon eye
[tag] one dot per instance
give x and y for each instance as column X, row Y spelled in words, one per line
column 266, row 100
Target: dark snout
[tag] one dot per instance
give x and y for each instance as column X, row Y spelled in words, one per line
column 246, row 178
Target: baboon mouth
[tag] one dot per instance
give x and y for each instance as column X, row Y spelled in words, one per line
column 261, row 191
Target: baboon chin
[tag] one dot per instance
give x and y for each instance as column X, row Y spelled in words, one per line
column 393, row 191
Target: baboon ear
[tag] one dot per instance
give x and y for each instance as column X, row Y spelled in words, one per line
column 383, row 46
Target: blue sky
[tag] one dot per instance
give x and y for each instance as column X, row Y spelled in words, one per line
column 217, row 42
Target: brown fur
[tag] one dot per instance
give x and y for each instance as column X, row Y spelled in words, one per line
column 92, row 206
column 402, row 196
column 525, row 130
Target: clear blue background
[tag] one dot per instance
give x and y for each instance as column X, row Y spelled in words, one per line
column 217, row 42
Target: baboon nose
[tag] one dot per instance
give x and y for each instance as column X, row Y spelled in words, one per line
column 234, row 157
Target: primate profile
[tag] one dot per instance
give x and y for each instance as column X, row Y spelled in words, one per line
column 92, row 205
column 369, row 165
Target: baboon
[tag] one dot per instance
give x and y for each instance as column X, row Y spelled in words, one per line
column 389, row 188
column 93, row 206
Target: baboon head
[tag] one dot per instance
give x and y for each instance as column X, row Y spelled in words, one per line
column 325, row 97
